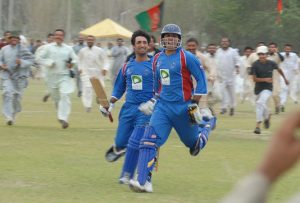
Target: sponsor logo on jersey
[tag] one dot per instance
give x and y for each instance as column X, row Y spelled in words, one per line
column 165, row 76
column 136, row 79
column 137, row 82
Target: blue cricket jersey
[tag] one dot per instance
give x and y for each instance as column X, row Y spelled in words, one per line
column 172, row 79
column 136, row 78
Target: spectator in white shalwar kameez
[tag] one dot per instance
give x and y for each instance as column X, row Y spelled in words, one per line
column 248, row 83
column 289, row 66
column 214, row 92
column 228, row 62
column 50, row 39
column 295, row 84
column 92, row 63
column 59, row 59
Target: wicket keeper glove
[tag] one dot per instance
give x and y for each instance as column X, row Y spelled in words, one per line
column 106, row 111
column 147, row 108
column 194, row 113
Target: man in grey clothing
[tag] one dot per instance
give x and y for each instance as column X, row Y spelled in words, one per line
column 119, row 54
column 15, row 62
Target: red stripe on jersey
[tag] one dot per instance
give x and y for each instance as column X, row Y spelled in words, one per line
column 124, row 69
column 187, row 83
column 155, row 61
column 159, row 87
column 154, row 70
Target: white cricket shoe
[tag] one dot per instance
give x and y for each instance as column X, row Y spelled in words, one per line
column 124, row 180
column 135, row 186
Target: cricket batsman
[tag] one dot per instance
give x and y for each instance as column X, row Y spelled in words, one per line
column 175, row 105
column 136, row 79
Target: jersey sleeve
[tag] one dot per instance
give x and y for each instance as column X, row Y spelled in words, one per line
column 156, row 83
column 120, row 84
column 197, row 71
column 156, row 76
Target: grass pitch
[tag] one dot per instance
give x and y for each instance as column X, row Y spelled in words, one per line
column 40, row 162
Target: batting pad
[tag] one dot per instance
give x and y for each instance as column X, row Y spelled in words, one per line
column 132, row 153
column 205, row 127
column 147, row 155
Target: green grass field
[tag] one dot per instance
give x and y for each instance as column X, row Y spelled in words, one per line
column 40, row 162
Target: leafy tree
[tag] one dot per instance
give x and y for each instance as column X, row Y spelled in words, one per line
column 249, row 22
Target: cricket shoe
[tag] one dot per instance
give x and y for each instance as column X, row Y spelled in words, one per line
column 203, row 135
column 200, row 144
column 135, row 186
column 124, row 180
column 113, row 154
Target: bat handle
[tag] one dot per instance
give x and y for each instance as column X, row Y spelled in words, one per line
column 110, row 117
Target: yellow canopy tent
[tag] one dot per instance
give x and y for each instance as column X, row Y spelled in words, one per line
column 107, row 28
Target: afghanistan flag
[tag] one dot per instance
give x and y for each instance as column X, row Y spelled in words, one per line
column 279, row 6
column 279, row 9
column 150, row 20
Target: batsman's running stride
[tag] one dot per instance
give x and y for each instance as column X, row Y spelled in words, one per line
column 175, row 105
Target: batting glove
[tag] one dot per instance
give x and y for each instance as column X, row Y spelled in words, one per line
column 147, row 108
column 106, row 110
column 194, row 113
column 206, row 112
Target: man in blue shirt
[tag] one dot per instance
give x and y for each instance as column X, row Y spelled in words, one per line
column 176, row 105
column 136, row 78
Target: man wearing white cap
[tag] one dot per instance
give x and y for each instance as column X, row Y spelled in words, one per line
column 262, row 72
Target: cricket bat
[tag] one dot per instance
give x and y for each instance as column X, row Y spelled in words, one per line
column 101, row 95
